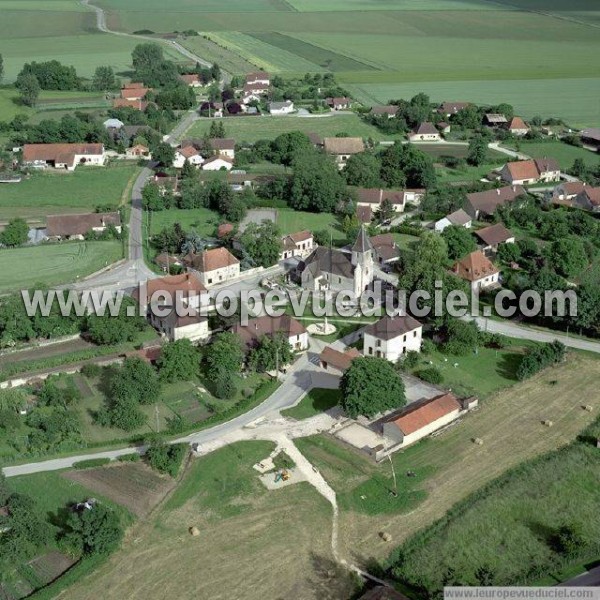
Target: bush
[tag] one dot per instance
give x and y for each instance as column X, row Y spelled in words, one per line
column 132, row 457
column 166, row 458
column 462, row 337
column 224, row 387
column 410, row 360
column 431, row 375
column 427, row 347
column 539, row 358
column 91, row 370
column 91, row 463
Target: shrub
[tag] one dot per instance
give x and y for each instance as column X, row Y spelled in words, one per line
column 224, row 387
column 539, row 358
column 91, row 370
column 431, row 375
column 91, row 463
column 410, row 360
column 427, row 347
column 166, row 458
column 132, row 457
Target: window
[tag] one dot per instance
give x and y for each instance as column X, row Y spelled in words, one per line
column 404, row 338
column 415, row 333
column 210, row 280
column 370, row 350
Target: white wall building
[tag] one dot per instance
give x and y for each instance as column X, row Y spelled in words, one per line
column 392, row 337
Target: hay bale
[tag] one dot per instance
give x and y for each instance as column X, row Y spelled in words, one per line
column 588, row 408
column 548, row 423
column 478, row 441
column 194, row 531
column 385, row 536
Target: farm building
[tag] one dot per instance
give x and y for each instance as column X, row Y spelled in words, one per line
column 495, row 120
column 389, row 110
column 568, row 190
column 458, row 217
column 342, row 103
column 335, row 361
column 373, row 197
column 478, row 270
column 173, row 327
column 76, row 226
column 591, row 138
column 343, row 148
column 392, row 337
column 421, row 418
column 517, row 126
column 137, row 104
column 484, row 204
column 218, row 163
column 292, row 329
column 134, row 91
column 260, row 77
column 191, row 79
column 214, row 266
column 63, row 156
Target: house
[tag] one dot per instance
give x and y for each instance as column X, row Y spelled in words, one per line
column 165, row 261
column 260, row 77
column 443, row 127
column 185, row 289
column 256, row 88
column 315, row 139
column 187, row 154
column 293, row 330
column 139, row 104
column 389, row 111
column 425, row 132
column 421, row 418
column 458, row 217
column 591, row 138
column 336, row 362
column 588, row 199
column 297, row 244
column 495, row 120
column 191, row 79
column 114, row 124
column 134, row 93
column 281, row 108
column 173, row 327
column 373, row 197
column 214, row 109
column 214, row 266
column 223, row 147
column 138, row 151
column 524, row 172
column 568, row 190
column 338, row 270
column 392, row 337
column 491, row 237
column 517, row 126
column 478, row 270
column 484, row 204
column 364, row 214
column 166, row 183
column 338, row 103
column 342, row 148
column 218, row 163
column 76, row 226
column 386, row 249
column 447, row 109
column 62, row 156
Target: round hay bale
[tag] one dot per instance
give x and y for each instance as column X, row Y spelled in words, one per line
column 385, row 536
column 588, row 408
column 194, row 531
column 478, row 441
column 548, row 423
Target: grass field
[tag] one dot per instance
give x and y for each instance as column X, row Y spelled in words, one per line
column 54, row 264
column 315, row 402
column 449, row 466
column 563, row 153
column 278, row 541
column 250, row 129
column 48, row 193
column 201, row 220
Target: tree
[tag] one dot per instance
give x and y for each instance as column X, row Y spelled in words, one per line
column 110, row 330
column 285, row 147
column 262, row 242
column 223, row 386
column 178, row 361
column 371, row 386
column 52, row 75
column 225, row 354
column 363, row 170
column 462, row 337
column 152, row 199
column 459, row 241
column 404, row 165
column 385, row 212
column 567, row 256
column 570, row 540
column 15, row 233
column 145, row 56
column 104, row 79
column 29, row 87
column 477, row 153
column 166, row 458
column 217, row 130
column 316, row 184
column 1, row 67
column 272, row 351
column 164, row 154
column 136, row 380
column 94, row 531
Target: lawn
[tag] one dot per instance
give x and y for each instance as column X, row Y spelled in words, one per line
column 279, row 542
column 318, row 400
column 565, row 154
column 201, row 220
column 54, row 264
column 59, row 192
column 465, row 174
column 449, row 466
column 251, row 129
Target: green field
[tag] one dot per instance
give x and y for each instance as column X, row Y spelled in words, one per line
column 54, row 264
column 315, row 402
column 250, row 129
column 48, row 193
column 202, row 220
column 563, row 153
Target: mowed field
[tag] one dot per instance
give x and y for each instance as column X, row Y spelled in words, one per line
column 450, row 465
column 543, row 57
column 21, row 268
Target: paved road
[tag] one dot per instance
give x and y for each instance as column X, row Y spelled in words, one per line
column 590, row 578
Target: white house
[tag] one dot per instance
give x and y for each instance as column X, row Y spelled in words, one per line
column 260, row 77
column 192, row 327
column 478, row 270
column 186, row 289
column 517, row 127
column 458, row 217
column 422, row 418
column 392, row 337
column 281, row 108
column 189, row 154
column 342, row 148
column 256, row 329
column 425, row 132
column 299, row 244
column 214, row 266
column 223, row 147
column 74, row 227
column 373, row 197
column 63, row 156
column 217, row 163
column 335, row 361
column 491, row 237
column 524, row 172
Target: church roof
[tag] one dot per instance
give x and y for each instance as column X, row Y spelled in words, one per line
column 362, row 243
column 328, row 260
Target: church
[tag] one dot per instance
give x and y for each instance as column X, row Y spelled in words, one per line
column 339, row 270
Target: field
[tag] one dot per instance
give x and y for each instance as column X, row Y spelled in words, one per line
column 54, row 264
column 449, row 467
column 528, row 55
column 278, row 541
column 48, row 193
column 563, row 153
column 315, row 402
column 250, row 129
column 133, row 485
column 201, row 220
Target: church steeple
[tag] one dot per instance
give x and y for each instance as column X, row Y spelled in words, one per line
column 363, row 256
column 362, row 248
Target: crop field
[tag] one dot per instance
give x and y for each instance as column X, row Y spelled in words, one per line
column 59, row 192
column 450, row 466
column 251, row 129
column 279, row 541
column 54, row 264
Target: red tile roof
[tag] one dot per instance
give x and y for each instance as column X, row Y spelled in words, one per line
column 211, row 260
column 261, row 326
column 495, row 234
column 55, row 152
column 474, row 267
column 487, row 202
column 389, row 328
column 421, row 414
column 66, row 225
column 337, row 359
column 517, row 123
